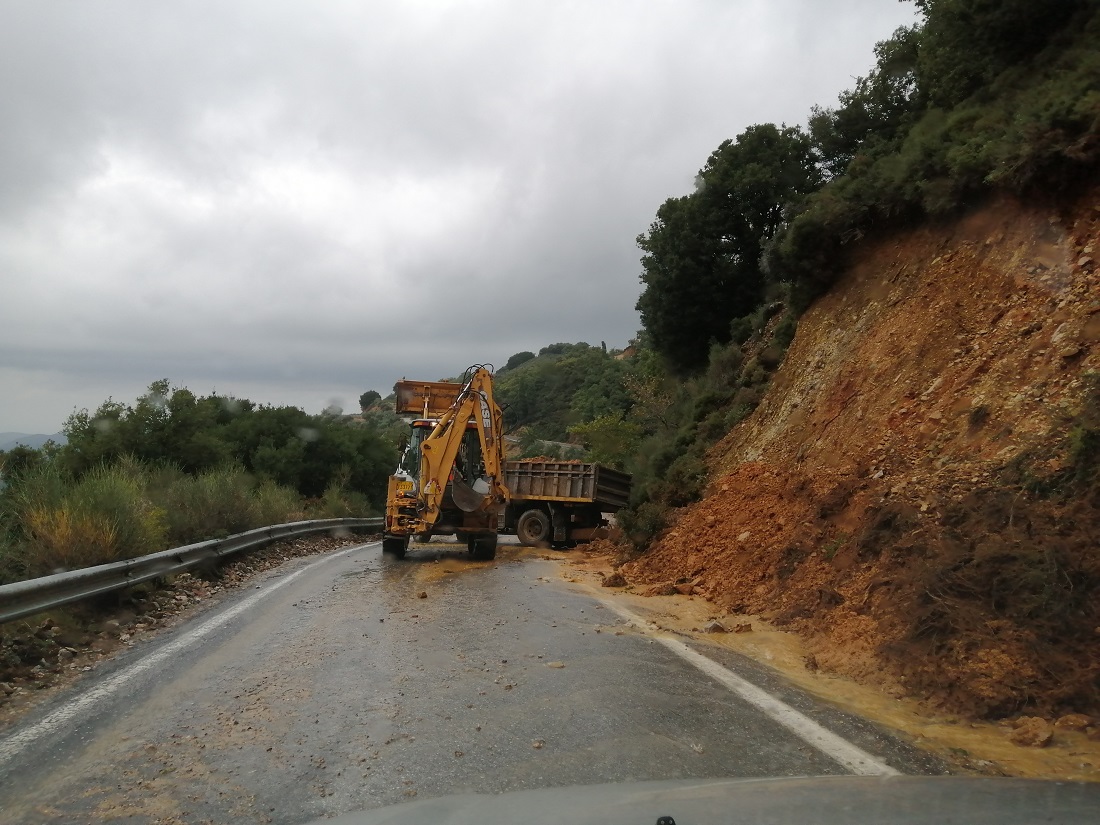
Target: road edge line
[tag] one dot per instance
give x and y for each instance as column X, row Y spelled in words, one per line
column 11, row 746
column 836, row 747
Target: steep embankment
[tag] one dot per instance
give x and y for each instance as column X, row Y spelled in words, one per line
column 891, row 497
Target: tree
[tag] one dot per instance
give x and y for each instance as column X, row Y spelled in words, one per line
column 195, row 433
column 517, row 359
column 565, row 384
column 879, row 110
column 965, row 44
column 701, row 266
column 369, row 399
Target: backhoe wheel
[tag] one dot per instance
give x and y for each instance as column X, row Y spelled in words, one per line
column 533, row 527
column 395, row 546
column 482, row 548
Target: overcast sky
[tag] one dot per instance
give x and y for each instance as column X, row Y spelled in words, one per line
column 295, row 202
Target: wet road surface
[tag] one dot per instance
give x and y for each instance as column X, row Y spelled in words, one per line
column 346, row 689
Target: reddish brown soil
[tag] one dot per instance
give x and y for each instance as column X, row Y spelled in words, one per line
column 876, row 499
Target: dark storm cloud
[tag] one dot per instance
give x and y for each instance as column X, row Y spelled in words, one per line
column 297, row 202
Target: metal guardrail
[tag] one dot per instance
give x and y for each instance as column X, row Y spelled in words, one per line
column 26, row 598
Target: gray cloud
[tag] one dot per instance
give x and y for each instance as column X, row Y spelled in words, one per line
column 295, row 203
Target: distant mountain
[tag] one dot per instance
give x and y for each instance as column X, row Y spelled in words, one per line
column 34, row 440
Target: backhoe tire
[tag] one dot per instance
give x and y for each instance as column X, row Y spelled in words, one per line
column 533, row 527
column 482, row 548
column 395, row 546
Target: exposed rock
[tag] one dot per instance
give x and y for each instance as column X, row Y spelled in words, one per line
column 685, row 589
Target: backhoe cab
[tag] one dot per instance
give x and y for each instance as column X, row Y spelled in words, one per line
column 451, row 476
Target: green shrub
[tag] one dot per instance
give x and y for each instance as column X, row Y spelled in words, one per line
column 103, row 516
column 276, row 505
column 340, row 502
column 642, row 524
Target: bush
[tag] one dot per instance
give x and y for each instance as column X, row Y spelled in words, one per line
column 50, row 521
column 642, row 525
column 340, row 502
column 276, row 505
column 102, row 517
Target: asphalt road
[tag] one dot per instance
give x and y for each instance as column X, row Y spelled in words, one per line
column 331, row 685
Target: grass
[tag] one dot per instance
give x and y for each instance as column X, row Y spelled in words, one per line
column 51, row 521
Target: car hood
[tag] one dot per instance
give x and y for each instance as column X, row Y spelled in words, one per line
column 841, row 800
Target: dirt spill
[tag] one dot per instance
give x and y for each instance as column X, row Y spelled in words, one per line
column 972, row 746
column 451, row 558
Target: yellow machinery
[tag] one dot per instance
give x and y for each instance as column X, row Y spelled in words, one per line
column 451, row 476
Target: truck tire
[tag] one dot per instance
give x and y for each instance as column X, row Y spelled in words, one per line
column 533, row 527
column 482, row 548
column 395, row 546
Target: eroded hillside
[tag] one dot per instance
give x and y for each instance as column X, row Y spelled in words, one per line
column 914, row 491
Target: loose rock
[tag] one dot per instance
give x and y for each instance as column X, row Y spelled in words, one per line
column 1032, row 732
column 615, row 580
column 1073, row 721
column 714, row 627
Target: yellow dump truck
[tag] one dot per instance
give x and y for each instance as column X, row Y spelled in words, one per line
column 560, row 502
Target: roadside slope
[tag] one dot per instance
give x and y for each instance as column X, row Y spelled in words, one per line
column 914, row 492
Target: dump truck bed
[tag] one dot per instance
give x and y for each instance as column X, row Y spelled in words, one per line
column 568, row 481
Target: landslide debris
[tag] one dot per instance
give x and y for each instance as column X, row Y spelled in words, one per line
column 918, row 491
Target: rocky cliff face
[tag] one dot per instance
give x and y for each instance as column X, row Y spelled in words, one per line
column 910, row 491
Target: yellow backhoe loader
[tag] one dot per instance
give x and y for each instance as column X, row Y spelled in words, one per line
column 451, row 475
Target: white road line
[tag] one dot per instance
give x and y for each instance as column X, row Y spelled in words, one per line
column 14, row 744
column 855, row 759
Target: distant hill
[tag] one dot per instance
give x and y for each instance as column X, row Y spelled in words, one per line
column 9, row 441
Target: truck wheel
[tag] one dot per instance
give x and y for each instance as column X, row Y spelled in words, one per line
column 533, row 527
column 395, row 546
column 482, row 548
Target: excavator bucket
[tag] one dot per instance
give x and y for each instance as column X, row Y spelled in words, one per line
column 425, row 399
column 469, row 497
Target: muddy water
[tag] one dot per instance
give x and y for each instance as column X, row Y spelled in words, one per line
column 979, row 747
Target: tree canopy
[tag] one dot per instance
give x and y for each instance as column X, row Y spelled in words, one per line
column 284, row 444
column 701, row 266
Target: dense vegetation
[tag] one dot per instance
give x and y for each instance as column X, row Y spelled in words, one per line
column 981, row 96
column 172, row 468
column 565, row 385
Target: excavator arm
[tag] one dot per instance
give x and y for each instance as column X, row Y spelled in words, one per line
column 439, row 451
column 477, row 488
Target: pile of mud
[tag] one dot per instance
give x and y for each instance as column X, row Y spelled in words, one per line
column 917, row 492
